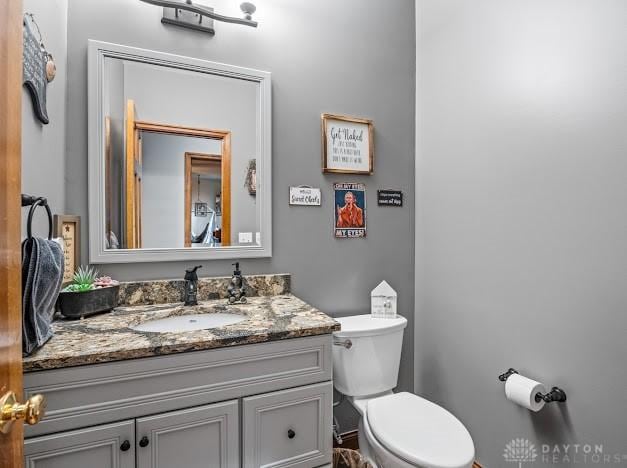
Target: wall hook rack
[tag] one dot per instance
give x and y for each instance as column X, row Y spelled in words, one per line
column 556, row 393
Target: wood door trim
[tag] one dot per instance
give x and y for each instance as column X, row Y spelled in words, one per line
column 157, row 127
column 224, row 136
column 11, row 445
column 129, row 201
column 225, row 198
column 225, row 160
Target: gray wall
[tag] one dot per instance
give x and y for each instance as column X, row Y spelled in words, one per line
column 43, row 146
column 521, row 233
column 348, row 57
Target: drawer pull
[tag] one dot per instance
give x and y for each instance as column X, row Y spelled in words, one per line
column 125, row 446
column 144, row 442
column 291, row 434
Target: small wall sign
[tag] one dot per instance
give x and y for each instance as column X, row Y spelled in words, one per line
column 38, row 68
column 304, row 195
column 350, row 210
column 389, row 198
column 347, row 144
column 69, row 228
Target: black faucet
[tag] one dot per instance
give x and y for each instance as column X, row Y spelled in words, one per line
column 191, row 286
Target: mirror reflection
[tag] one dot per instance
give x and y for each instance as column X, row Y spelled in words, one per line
column 180, row 158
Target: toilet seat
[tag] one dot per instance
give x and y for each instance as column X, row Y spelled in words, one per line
column 419, row 431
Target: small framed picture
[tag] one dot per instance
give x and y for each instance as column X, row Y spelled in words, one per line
column 350, row 210
column 68, row 227
column 347, row 145
column 201, row 209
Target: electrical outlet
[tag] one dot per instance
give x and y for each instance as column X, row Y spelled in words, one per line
column 245, row 237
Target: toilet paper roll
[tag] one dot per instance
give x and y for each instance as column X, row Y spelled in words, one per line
column 522, row 391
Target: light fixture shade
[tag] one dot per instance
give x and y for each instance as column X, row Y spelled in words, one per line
column 248, row 9
column 190, row 15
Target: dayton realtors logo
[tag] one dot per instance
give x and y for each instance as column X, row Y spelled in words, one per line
column 520, row 451
column 523, row 451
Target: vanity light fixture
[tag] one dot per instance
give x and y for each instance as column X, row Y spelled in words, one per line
column 187, row 14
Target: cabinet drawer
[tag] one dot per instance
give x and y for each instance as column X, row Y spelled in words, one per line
column 289, row 428
column 108, row 446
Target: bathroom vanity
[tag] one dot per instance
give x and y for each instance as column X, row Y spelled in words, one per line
column 253, row 393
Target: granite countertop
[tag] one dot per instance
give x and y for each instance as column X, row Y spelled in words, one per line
column 108, row 337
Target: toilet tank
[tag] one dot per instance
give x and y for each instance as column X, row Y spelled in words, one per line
column 370, row 365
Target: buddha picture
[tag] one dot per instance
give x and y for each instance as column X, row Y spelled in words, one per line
column 350, row 210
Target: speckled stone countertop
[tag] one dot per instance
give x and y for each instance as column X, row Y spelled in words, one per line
column 108, row 337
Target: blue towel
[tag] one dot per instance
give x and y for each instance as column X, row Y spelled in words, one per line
column 42, row 276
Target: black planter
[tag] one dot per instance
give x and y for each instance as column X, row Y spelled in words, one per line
column 82, row 304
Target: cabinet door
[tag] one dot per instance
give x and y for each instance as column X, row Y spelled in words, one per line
column 201, row 437
column 289, row 428
column 108, row 446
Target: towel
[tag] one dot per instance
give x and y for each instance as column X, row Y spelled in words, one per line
column 42, row 276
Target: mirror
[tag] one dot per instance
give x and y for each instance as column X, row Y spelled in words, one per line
column 179, row 157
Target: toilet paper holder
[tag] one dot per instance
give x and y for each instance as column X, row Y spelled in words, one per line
column 556, row 393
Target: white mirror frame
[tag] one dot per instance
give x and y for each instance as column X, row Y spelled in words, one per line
column 98, row 51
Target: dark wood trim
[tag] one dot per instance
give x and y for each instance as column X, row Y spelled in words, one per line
column 476, row 465
column 12, row 444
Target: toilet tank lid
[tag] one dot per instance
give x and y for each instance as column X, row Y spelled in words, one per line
column 367, row 325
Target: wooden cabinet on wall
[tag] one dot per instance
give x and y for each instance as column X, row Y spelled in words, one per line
column 184, row 410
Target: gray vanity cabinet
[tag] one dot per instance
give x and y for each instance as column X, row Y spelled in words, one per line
column 110, row 445
column 203, row 437
column 184, row 410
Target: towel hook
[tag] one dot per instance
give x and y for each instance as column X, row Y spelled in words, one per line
column 34, row 202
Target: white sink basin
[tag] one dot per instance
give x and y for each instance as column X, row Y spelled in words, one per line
column 183, row 323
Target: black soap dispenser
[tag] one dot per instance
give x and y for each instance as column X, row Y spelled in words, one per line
column 236, row 287
column 191, row 286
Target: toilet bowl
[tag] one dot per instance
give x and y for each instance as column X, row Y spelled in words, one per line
column 396, row 430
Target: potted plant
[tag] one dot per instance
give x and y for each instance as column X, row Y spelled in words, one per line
column 88, row 294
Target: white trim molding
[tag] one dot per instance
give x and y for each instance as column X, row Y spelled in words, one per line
column 98, row 52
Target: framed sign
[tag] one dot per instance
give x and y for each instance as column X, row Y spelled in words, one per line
column 305, row 195
column 347, row 145
column 69, row 228
column 350, row 210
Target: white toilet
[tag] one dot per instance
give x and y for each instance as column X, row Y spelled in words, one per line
column 396, row 430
